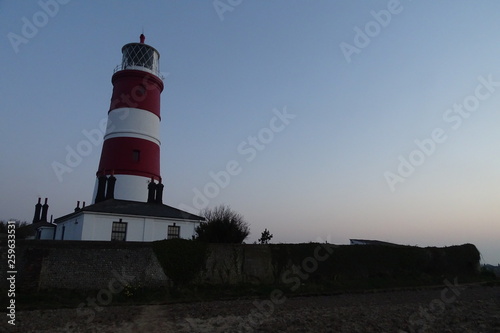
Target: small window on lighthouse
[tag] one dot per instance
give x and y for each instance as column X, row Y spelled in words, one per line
column 136, row 155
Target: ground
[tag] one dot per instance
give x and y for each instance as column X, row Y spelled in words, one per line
column 450, row 308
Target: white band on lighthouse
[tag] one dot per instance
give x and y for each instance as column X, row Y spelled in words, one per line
column 133, row 123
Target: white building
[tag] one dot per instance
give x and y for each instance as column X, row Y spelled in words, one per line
column 123, row 220
column 38, row 230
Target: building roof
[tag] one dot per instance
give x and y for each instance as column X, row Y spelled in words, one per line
column 371, row 242
column 127, row 207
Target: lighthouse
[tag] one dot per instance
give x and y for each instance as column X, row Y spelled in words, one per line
column 127, row 201
column 129, row 168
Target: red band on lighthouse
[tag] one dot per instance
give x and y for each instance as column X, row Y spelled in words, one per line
column 130, row 156
column 136, row 89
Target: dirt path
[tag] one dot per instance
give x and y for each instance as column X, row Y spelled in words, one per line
column 448, row 309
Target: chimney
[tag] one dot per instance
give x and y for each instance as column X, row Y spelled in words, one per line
column 83, row 205
column 77, row 206
column 110, row 191
column 159, row 193
column 45, row 209
column 101, row 188
column 38, row 208
column 151, row 191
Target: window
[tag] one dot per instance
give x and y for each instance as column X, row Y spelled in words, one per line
column 174, row 231
column 136, row 155
column 119, row 231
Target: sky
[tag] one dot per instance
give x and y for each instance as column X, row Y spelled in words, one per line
column 318, row 120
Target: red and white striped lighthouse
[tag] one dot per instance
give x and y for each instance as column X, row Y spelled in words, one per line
column 130, row 158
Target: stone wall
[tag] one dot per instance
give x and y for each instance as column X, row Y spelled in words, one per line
column 230, row 264
column 82, row 265
column 344, row 266
column 43, row 265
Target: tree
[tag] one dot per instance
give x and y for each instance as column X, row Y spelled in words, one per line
column 18, row 224
column 222, row 225
column 265, row 237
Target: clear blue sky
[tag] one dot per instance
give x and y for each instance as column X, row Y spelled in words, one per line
column 358, row 109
